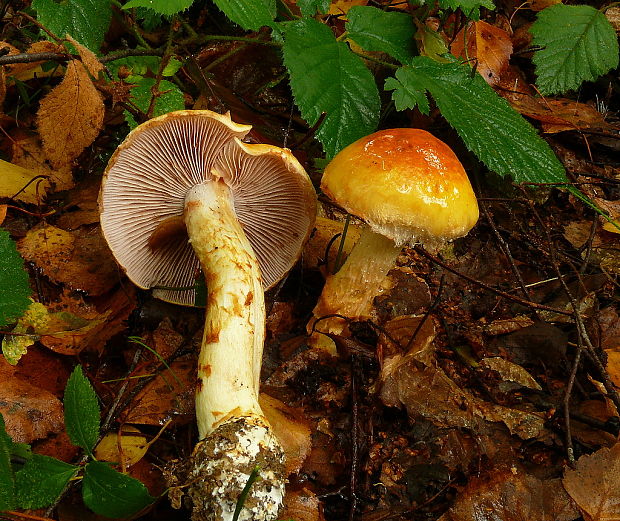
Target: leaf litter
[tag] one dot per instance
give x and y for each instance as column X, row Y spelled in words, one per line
column 448, row 403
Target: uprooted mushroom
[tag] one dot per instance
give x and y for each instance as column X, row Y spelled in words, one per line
column 247, row 210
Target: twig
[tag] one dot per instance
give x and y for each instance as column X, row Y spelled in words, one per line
column 533, row 305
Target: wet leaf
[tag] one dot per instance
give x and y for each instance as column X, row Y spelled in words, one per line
column 594, row 484
column 487, row 47
column 70, row 117
column 41, row 481
column 511, row 372
column 129, row 446
column 511, row 495
column 14, row 287
column 30, row 413
column 326, row 77
column 7, row 482
column 81, row 411
column 112, row 494
column 577, row 44
column 20, row 183
column 81, row 259
column 165, row 7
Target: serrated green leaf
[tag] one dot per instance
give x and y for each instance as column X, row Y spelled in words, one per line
column 41, row 481
column 7, row 483
column 85, row 20
column 14, row 288
column 326, row 77
column 81, row 411
column 310, row 7
column 112, row 494
column 251, row 15
column 383, row 31
column 165, row 7
column 405, row 96
column 486, row 123
column 471, row 8
column 579, row 44
column 171, row 98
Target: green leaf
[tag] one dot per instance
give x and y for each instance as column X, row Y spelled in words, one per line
column 171, row 98
column 112, row 494
column 406, row 95
column 326, row 77
column 14, row 288
column 383, row 31
column 85, row 20
column 471, row 8
column 490, row 128
column 310, row 7
column 81, row 411
column 249, row 14
column 579, row 44
column 165, row 7
column 41, row 481
column 7, row 482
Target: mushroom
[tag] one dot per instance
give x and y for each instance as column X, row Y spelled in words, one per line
column 408, row 187
column 247, row 210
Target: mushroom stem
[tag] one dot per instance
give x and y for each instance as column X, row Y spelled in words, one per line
column 351, row 291
column 235, row 435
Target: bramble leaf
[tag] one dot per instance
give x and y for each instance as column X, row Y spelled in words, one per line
column 81, row 411
column 112, row 494
column 310, row 7
column 7, row 483
column 383, row 31
column 165, row 7
column 579, row 44
column 85, row 20
column 471, row 8
column 41, row 481
column 170, row 99
column 249, row 14
column 326, row 77
column 489, row 127
column 14, row 288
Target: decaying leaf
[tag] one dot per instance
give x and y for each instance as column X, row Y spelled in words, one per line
column 3, row 210
column 291, row 429
column 301, row 505
column 27, row 71
column 81, row 261
column 70, row 117
column 511, row 372
column 129, row 446
column 489, row 47
column 414, row 380
column 30, row 413
column 343, row 6
column 89, row 58
column 595, row 484
column 22, row 183
column 511, row 495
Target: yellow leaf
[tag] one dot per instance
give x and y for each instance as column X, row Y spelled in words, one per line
column 343, row 6
column 70, row 117
column 28, row 153
column 613, row 226
column 133, row 446
column 17, row 182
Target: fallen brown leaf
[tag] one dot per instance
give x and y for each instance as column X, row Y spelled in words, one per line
column 70, row 117
column 487, row 46
column 30, row 413
column 512, row 495
column 81, row 260
column 301, row 505
column 595, row 484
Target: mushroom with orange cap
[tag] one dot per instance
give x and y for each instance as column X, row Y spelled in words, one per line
column 247, row 210
column 409, row 187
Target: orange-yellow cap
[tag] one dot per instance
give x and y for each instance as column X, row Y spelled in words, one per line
column 406, row 184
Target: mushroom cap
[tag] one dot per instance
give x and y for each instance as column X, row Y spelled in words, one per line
column 148, row 176
column 406, row 184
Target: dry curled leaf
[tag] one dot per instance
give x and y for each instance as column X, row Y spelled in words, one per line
column 70, row 117
column 595, row 484
column 89, row 58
